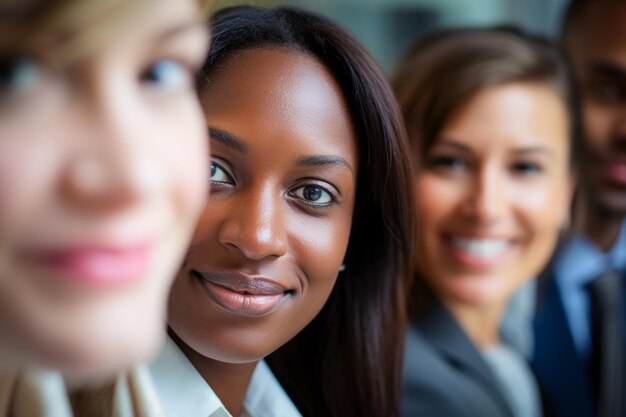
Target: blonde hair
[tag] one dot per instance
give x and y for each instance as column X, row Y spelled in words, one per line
column 65, row 30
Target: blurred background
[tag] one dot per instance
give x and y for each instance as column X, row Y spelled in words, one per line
column 389, row 27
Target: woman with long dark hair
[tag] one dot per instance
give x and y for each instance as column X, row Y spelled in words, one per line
column 305, row 245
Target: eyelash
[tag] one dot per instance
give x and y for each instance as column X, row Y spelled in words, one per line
column 450, row 163
column 20, row 76
column 157, row 72
column 332, row 196
column 230, row 181
column 446, row 162
column 527, row 168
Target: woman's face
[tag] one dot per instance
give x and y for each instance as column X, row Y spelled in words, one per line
column 492, row 193
column 268, row 248
column 102, row 176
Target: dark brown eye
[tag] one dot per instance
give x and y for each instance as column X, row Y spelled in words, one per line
column 314, row 195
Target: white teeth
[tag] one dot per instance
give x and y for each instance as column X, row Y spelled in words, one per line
column 481, row 248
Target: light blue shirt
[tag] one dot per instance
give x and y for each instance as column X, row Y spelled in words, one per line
column 184, row 393
column 578, row 263
column 516, row 380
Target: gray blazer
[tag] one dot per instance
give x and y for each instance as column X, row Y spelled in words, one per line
column 444, row 375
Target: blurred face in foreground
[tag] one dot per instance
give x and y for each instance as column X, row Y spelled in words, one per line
column 102, row 175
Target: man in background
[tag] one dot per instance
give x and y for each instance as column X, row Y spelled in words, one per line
column 579, row 328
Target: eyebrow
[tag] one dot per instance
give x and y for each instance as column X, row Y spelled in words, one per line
column 525, row 150
column 227, row 139
column 607, row 69
column 452, row 144
column 324, row 160
column 532, row 150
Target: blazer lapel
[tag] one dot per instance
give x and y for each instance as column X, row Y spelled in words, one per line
column 438, row 325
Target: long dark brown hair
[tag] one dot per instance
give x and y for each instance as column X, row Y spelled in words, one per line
column 346, row 362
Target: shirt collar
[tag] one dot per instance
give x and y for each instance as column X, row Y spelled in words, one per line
column 181, row 389
column 266, row 397
column 580, row 260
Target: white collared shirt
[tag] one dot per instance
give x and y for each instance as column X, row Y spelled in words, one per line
column 184, row 393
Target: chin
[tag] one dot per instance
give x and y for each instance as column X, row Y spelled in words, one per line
column 613, row 203
column 94, row 365
column 478, row 296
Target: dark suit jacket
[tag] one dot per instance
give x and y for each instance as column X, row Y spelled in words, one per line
column 562, row 377
column 444, row 375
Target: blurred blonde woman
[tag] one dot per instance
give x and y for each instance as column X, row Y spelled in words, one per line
column 103, row 172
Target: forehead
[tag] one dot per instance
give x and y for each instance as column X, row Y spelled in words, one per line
column 278, row 93
column 511, row 115
column 600, row 32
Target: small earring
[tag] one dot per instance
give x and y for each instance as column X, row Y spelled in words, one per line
column 342, row 268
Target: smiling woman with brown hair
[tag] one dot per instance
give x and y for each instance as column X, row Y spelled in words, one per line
column 492, row 125
column 304, row 246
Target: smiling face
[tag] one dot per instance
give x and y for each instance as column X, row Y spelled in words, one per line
column 491, row 194
column 102, row 176
column 597, row 46
column 269, row 246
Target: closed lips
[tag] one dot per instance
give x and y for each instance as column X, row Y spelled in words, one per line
column 243, row 295
column 244, row 284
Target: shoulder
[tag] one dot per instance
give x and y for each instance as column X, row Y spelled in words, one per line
column 430, row 382
column 436, row 384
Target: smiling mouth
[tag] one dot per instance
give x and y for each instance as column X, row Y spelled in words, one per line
column 99, row 266
column 479, row 252
column 243, row 295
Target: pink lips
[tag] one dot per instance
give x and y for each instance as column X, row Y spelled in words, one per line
column 241, row 294
column 98, row 265
column 615, row 172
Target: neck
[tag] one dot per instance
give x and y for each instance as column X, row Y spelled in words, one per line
column 482, row 324
column 229, row 381
column 602, row 227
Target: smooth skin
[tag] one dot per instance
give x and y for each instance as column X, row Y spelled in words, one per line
column 284, row 170
column 492, row 193
column 102, row 177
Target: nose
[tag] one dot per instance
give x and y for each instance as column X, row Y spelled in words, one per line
column 486, row 200
column 255, row 226
column 110, row 165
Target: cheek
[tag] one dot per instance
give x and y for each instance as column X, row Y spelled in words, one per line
column 436, row 202
column 29, row 170
column 597, row 123
column 320, row 246
column 184, row 155
column 542, row 207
